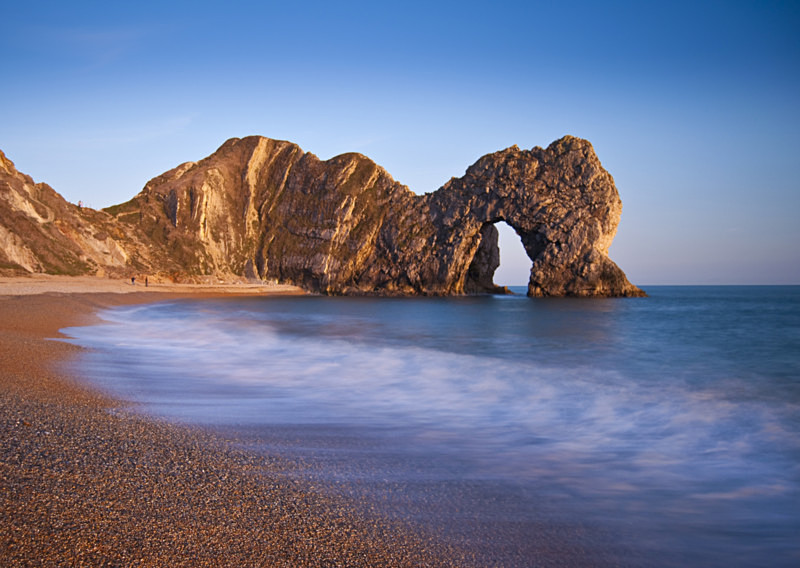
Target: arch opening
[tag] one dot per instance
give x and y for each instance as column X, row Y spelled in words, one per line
column 483, row 276
column 515, row 265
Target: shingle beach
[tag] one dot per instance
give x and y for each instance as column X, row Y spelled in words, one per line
column 85, row 482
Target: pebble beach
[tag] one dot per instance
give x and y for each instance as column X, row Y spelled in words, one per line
column 83, row 482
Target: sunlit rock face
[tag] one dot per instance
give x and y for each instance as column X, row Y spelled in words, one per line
column 40, row 232
column 560, row 201
column 264, row 209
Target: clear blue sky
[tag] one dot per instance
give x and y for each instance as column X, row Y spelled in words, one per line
column 693, row 107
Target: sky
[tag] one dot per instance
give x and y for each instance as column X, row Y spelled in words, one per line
column 693, row 107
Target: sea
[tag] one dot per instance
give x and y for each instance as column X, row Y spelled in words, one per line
column 657, row 431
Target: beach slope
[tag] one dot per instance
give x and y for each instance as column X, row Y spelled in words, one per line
column 85, row 482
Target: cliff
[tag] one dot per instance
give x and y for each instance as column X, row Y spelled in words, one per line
column 262, row 208
column 40, row 232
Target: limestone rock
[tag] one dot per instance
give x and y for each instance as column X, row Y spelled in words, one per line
column 262, row 208
column 41, row 232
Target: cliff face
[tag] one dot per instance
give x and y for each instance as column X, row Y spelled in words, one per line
column 41, row 232
column 264, row 209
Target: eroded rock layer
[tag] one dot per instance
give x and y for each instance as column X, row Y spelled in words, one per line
column 40, row 232
column 262, row 208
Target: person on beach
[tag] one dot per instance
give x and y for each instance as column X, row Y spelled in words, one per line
column 133, row 280
column 145, row 281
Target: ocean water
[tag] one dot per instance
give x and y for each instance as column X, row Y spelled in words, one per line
column 659, row 431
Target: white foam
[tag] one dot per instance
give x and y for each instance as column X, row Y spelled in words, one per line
column 585, row 422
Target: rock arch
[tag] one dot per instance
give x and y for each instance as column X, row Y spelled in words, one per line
column 265, row 209
column 560, row 201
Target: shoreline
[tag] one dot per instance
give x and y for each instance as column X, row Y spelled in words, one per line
column 86, row 483
column 45, row 283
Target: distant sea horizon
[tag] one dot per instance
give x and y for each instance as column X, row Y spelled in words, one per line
column 658, row 431
column 524, row 287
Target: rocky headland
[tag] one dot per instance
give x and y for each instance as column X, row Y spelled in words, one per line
column 266, row 210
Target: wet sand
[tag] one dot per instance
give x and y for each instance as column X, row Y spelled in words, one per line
column 83, row 482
